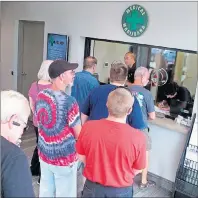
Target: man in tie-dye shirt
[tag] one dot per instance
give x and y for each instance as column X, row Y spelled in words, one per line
column 59, row 126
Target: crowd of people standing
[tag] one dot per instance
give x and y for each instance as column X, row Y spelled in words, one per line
column 101, row 130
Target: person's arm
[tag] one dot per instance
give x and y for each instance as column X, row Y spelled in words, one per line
column 86, row 109
column 30, row 94
column 77, row 129
column 140, row 161
column 73, row 118
column 152, row 115
column 80, row 145
column 18, row 180
column 150, row 106
column 84, row 118
column 31, row 104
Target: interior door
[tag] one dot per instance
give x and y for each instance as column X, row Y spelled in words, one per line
column 30, row 53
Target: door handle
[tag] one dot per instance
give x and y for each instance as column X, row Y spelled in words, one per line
column 24, row 74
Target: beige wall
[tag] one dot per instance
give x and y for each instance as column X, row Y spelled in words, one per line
column 108, row 52
column 191, row 74
column 178, row 67
column 186, row 71
column 195, row 107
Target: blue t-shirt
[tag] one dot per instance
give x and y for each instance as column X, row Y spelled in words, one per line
column 84, row 82
column 145, row 100
column 95, row 107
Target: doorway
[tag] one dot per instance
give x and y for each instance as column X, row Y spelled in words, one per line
column 30, row 53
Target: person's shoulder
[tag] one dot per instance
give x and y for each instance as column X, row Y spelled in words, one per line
column 33, row 86
column 94, row 79
column 142, row 90
column 71, row 99
column 135, row 134
column 78, row 74
column 146, row 91
column 183, row 89
column 9, row 150
column 45, row 91
column 103, row 89
column 107, row 87
column 97, row 90
column 93, row 123
column 43, row 94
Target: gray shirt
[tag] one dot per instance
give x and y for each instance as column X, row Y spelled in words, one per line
column 145, row 100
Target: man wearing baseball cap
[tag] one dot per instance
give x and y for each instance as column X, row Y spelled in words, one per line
column 59, row 126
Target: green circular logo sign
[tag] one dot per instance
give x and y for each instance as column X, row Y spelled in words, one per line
column 135, row 20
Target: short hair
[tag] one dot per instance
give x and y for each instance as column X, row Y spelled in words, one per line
column 171, row 88
column 43, row 73
column 118, row 72
column 140, row 72
column 132, row 54
column 119, row 102
column 89, row 62
column 13, row 103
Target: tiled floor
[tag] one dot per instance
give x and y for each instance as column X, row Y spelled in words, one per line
column 28, row 145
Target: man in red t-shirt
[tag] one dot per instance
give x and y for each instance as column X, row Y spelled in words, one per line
column 112, row 150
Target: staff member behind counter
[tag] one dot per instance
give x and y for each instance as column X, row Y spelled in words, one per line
column 172, row 93
column 129, row 60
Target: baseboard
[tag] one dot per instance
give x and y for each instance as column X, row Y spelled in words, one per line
column 164, row 183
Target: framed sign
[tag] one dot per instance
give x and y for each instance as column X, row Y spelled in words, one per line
column 57, row 47
column 135, row 20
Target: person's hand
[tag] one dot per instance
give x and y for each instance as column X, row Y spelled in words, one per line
column 136, row 172
column 165, row 108
column 161, row 104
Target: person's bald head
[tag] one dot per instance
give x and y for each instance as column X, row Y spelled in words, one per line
column 129, row 59
column 142, row 75
column 120, row 102
column 90, row 63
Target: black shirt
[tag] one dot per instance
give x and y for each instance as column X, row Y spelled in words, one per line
column 182, row 95
column 16, row 180
column 131, row 73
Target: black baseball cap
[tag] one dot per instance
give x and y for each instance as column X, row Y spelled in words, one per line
column 58, row 67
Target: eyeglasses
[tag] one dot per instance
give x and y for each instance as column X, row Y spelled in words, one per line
column 18, row 124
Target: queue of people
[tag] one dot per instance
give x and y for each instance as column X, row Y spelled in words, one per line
column 104, row 127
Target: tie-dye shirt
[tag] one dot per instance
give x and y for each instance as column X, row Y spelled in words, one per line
column 57, row 113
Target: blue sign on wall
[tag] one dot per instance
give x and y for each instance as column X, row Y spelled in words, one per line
column 57, row 47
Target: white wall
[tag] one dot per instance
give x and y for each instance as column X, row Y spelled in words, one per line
column 167, row 149
column 108, row 52
column 171, row 24
column 0, row 49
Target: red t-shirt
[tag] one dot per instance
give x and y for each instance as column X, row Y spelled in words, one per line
column 112, row 151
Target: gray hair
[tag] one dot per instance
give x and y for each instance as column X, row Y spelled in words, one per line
column 140, row 72
column 43, row 73
column 13, row 103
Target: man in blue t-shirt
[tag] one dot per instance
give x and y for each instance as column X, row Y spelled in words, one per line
column 95, row 108
column 145, row 99
column 84, row 81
